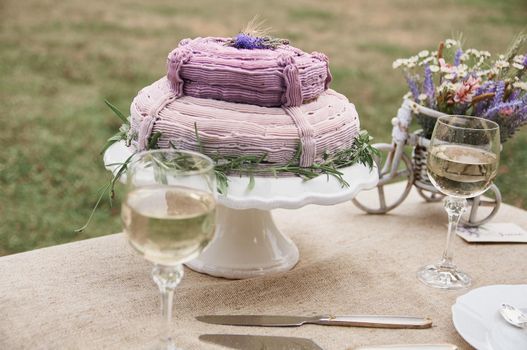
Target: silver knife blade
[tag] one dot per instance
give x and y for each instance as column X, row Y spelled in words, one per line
column 294, row 321
column 255, row 320
column 259, row 342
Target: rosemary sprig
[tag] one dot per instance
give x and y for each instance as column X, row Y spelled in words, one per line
column 251, row 165
column 123, row 132
column 109, row 188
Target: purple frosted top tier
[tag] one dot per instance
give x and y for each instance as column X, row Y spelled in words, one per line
column 323, row 126
column 285, row 76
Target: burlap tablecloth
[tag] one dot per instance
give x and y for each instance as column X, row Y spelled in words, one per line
column 97, row 294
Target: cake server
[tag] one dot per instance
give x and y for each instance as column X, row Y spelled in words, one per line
column 295, row 321
column 259, row 342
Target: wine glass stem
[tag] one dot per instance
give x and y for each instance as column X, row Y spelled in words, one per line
column 167, row 278
column 455, row 207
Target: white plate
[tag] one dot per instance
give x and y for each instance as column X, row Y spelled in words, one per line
column 477, row 319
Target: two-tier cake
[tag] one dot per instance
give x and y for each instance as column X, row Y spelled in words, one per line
column 245, row 97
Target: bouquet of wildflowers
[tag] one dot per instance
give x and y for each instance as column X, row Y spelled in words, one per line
column 470, row 82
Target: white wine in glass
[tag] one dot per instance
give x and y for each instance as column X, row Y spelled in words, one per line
column 168, row 216
column 169, row 225
column 462, row 162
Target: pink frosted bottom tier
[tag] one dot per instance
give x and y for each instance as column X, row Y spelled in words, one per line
column 325, row 125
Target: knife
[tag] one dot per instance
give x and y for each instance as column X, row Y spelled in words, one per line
column 260, row 342
column 295, row 321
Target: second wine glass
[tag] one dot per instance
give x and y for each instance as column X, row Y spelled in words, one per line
column 462, row 162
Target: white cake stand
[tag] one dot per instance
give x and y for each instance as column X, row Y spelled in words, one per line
column 247, row 242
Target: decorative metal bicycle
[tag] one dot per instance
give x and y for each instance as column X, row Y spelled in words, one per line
column 395, row 165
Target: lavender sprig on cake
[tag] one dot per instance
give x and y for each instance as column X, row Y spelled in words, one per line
column 249, row 42
column 255, row 36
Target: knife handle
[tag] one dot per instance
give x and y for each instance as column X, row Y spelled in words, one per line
column 410, row 347
column 375, row 321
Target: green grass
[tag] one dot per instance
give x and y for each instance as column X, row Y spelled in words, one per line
column 60, row 60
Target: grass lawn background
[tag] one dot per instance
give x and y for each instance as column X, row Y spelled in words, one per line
column 60, row 59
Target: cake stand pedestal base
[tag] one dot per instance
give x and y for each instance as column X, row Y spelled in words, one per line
column 247, row 244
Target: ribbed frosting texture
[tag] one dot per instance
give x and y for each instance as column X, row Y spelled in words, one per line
column 329, row 123
column 285, row 76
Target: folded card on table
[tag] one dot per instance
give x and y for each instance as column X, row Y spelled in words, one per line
column 494, row 232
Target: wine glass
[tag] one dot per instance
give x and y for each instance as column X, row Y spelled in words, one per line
column 168, row 216
column 462, row 162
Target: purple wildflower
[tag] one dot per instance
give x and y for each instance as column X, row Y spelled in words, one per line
column 429, row 88
column 457, row 57
column 486, row 87
column 498, row 95
column 522, row 113
column 524, row 63
column 514, row 95
column 492, row 112
column 509, row 125
column 244, row 41
column 412, row 85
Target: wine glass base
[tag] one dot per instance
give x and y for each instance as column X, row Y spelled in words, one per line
column 443, row 277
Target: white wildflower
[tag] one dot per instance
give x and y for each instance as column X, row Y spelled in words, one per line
column 501, row 57
column 450, row 76
column 484, row 72
column 519, row 59
column 422, row 97
column 413, row 59
column 473, row 52
column 448, row 86
column 410, row 64
column 464, row 57
column 520, row 85
column 462, row 68
column 518, row 66
column 444, row 85
column 501, row 63
column 428, row 60
column 407, row 95
column 481, row 61
column 451, row 42
column 447, row 68
column 397, row 63
column 423, row 53
column 434, row 68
